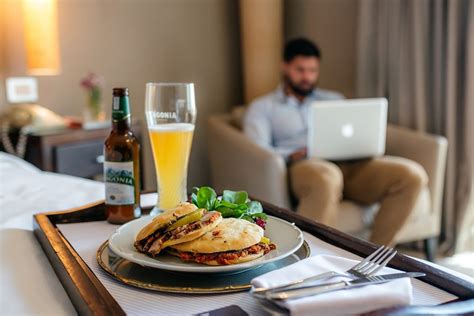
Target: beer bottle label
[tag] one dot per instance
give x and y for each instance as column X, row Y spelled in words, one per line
column 119, row 183
column 120, row 108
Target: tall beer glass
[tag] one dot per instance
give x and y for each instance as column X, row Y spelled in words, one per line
column 170, row 112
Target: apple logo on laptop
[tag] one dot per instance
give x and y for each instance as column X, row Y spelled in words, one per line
column 347, row 130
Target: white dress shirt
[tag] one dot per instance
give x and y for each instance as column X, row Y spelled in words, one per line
column 279, row 122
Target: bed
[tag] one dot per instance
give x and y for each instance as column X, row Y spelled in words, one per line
column 28, row 284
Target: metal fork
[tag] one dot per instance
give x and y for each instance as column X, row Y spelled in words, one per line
column 365, row 268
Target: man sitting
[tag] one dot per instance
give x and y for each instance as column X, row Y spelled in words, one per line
column 279, row 121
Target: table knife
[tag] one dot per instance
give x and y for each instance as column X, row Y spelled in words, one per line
column 329, row 287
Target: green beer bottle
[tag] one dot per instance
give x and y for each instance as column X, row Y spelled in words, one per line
column 122, row 164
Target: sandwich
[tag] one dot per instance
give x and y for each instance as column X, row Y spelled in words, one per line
column 178, row 225
column 232, row 241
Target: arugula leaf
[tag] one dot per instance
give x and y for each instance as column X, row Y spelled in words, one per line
column 254, row 207
column 259, row 215
column 194, row 199
column 229, row 212
column 251, row 217
column 226, row 211
column 231, row 204
column 226, row 204
column 194, row 196
column 236, row 197
column 247, row 217
column 206, row 198
column 243, row 207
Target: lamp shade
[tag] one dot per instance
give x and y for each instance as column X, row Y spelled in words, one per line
column 40, row 27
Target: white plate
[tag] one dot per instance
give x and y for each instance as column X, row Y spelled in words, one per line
column 287, row 237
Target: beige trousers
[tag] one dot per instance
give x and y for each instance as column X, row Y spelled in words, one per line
column 393, row 182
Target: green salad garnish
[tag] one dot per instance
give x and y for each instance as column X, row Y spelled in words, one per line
column 231, row 204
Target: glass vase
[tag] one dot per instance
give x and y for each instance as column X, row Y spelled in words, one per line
column 94, row 110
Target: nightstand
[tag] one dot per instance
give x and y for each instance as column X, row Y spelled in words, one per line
column 75, row 152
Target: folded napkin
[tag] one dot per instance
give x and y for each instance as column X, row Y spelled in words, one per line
column 345, row 302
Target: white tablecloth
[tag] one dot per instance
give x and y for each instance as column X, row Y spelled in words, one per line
column 28, row 284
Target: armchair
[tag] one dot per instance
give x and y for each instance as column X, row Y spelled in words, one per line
column 238, row 163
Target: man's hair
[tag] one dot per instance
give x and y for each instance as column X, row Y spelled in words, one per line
column 300, row 47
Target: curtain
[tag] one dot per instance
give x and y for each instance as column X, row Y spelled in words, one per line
column 420, row 55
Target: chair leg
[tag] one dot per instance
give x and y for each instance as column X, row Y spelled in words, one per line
column 430, row 245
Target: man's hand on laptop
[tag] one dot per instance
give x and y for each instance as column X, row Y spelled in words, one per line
column 298, row 155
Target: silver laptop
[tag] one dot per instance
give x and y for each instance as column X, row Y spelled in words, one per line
column 347, row 129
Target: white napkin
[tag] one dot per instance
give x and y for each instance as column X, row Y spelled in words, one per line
column 344, row 302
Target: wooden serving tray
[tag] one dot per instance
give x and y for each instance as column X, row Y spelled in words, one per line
column 90, row 297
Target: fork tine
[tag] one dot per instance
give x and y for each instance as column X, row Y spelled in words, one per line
column 383, row 264
column 382, row 257
column 376, row 261
column 363, row 262
column 369, row 262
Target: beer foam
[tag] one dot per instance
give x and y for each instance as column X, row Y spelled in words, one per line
column 172, row 127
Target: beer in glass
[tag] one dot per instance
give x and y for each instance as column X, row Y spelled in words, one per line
column 170, row 112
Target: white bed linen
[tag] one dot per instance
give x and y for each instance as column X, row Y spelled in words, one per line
column 28, row 284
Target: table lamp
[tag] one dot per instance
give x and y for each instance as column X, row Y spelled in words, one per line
column 40, row 25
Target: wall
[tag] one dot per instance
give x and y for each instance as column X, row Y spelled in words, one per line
column 131, row 42
column 2, row 53
column 333, row 25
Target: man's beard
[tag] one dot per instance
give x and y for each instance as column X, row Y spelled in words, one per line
column 297, row 89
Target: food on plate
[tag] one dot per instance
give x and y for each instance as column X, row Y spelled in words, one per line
column 212, row 230
column 232, row 241
column 178, row 225
column 231, row 204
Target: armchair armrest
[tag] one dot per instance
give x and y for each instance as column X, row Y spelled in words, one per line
column 428, row 150
column 237, row 163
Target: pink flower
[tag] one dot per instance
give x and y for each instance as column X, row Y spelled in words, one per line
column 92, row 81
